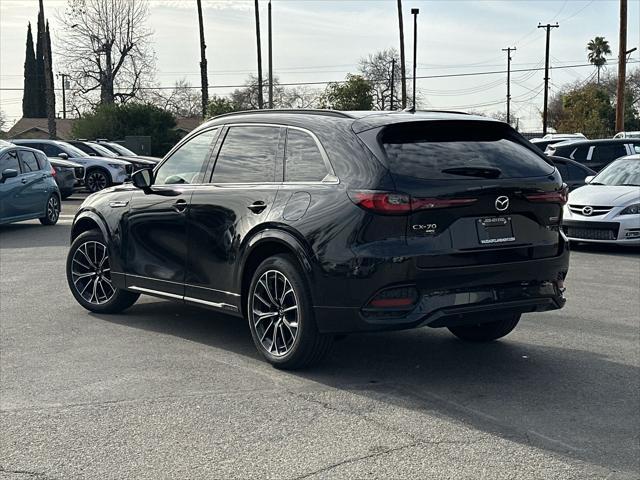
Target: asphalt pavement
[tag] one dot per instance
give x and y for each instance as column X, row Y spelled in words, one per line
column 168, row 391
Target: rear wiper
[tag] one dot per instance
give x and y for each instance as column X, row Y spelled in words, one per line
column 595, row 183
column 485, row 172
column 630, row 185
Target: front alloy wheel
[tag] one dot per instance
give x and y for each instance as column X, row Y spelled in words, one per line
column 96, row 180
column 91, row 273
column 89, row 276
column 281, row 317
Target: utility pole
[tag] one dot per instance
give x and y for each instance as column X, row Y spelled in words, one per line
column 270, row 61
column 393, row 80
column 403, row 72
column 64, row 77
column 548, row 27
column 509, row 50
column 415, row 12
column 204, row 81
column 260, row 102
column 622, row 67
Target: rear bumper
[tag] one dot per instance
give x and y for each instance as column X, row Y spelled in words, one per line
column 454, row 296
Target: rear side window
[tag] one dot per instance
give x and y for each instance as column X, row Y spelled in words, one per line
column 28, row 161
column 447, row 150
column 248, row 155
column 9, row 160
column 575, row 172
column 608, row 152
column 580, row 153
column 303, row 160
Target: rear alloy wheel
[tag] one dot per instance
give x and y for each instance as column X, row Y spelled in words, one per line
column 97, row 180
column 280, row 315
column 53, row 211
column 487, row 331
column 89, row 276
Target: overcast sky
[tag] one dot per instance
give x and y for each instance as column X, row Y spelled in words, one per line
column 322, row 40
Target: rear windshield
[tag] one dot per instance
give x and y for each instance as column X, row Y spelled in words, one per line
column 451, row 150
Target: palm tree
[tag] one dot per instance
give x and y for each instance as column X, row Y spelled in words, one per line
column 598, row 49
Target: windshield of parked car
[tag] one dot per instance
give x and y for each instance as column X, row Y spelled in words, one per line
column 620, row 172
column 105, row 152
column 122, row 150
column 73, row 152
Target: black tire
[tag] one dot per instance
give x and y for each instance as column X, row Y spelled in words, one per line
column 97, row 179
column 80, row 263
column 307, row 346
column 52, row 213
column 486, row 332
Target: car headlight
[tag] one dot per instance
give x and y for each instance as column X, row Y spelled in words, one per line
column 631, row 210
column 117, row 166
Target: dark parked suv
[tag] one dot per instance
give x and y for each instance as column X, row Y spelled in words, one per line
column 311, row 224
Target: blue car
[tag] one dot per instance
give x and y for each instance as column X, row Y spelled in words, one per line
column 28, row 189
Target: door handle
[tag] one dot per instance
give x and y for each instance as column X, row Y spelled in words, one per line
column 24, row 180
column 257, row 207
column 180, row 206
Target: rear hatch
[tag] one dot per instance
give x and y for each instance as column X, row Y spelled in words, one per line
column 478, row 192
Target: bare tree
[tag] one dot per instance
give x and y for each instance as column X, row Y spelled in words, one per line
column 3, row 120
column 182, row 101
column 106, row 44
column 376, row 69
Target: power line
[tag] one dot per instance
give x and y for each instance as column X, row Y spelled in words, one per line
column 325, row 82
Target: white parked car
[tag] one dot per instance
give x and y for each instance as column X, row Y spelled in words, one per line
column 627, row 135
column 607, row 209
column 100, row 172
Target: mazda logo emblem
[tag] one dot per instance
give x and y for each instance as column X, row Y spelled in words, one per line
column 502, row 203
column 586, row 211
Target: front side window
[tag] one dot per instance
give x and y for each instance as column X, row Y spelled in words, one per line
column 248, row 155
column 185, row 164
column 49, row 149
column 28, row 161
column 303, row 160
column 9, row 161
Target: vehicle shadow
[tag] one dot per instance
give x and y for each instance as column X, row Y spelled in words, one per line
column 28, row 235
column 571, row 402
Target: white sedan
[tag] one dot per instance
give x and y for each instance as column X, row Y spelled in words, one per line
column 607, row 209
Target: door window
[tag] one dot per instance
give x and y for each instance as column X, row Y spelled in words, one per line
column 303, row 160
column 185, row 164
column 608, row 152
column 9, row 160
column 248, row 155
column 49, row 149
column 28, row 161
column 562, row 168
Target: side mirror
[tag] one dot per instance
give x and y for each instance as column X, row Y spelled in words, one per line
column 8, row 173
column 142, row 179
column 589, row 179
column 63, row 156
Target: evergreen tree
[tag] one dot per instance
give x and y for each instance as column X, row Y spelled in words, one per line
column 30, row 95
column 48, row 70
column 40, row 68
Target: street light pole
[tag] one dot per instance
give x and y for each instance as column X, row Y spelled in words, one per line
column 415, row 12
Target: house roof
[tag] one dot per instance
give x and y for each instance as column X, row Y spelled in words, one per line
column 38, row 127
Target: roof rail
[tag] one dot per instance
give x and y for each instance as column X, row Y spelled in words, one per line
column 444, row 111
column 328, row 113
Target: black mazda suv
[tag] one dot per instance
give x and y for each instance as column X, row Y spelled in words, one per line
column 312, row 224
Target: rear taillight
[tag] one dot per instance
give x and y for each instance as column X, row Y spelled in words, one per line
column 53, row 171
column 394, row 203
column 558, row 196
